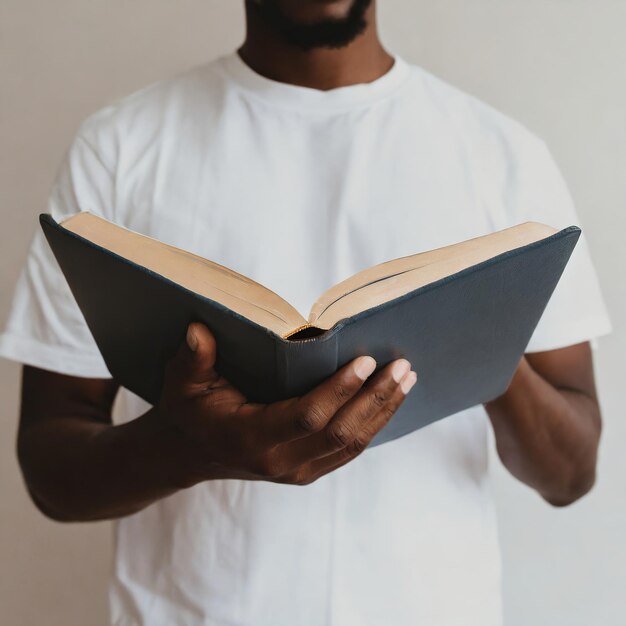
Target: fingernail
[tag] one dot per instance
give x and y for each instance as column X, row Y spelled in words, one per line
column 364, row 367
column 407, row 382
column 399, row 369
column 192, row 340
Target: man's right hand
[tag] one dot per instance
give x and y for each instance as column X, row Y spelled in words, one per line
column 80, row 466
column 292, row 441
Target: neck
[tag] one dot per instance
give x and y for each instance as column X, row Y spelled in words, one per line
column 361, row 61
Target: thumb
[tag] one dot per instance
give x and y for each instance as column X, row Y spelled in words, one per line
column 193, row 364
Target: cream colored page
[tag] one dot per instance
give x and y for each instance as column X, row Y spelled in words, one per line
column 360, row 292
column 199, row 275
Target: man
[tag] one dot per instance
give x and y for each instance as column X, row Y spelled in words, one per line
column 305, row 156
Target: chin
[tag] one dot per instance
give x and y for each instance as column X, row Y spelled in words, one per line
column 304, row 11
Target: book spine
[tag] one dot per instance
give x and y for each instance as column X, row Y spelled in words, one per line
column 302, row 365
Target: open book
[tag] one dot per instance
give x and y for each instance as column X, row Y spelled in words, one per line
column 138, row 295
column 361, row 291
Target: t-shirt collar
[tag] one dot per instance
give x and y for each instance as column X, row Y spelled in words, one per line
column 307, row 98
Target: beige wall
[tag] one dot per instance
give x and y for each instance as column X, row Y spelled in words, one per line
column 556, row 65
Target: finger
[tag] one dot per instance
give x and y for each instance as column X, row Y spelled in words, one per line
column 193, row 364
column 301, row 417
column 379, row 397
column 326, row 464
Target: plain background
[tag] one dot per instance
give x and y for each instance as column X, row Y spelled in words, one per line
column 555, row 65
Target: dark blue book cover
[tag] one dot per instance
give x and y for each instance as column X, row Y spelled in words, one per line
column 464, row 334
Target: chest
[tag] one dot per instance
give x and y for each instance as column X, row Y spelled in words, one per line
column 300, row 204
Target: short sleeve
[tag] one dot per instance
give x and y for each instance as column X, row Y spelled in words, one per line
column 576, row 311
column 45, row 327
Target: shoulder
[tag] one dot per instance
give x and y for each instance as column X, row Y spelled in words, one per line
column 511, row 167
column 148, row 112
column 481, row 124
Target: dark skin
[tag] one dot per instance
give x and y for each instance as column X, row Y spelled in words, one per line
column 362, row 61
column 78, row 466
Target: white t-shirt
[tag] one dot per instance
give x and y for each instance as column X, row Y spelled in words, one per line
column 298, row 189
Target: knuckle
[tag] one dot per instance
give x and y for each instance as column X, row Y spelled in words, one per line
column 267, row 466
column 379, row 397
column 300, row 478
column 388, row 410
column 303, row 481
column 339, row 435
column 341, row 393
column 359, row 444
column 310, row 419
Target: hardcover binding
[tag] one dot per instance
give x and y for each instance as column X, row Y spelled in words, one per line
column 463, row 334
column 302, row 365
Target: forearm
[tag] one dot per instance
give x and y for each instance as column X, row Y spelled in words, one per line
column 546, row 436
column 78, row 469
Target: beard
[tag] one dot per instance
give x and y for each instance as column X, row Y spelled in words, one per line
column 326, row 33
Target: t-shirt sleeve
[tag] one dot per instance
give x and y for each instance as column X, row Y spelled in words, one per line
column 45, row 327
column 537, row 192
